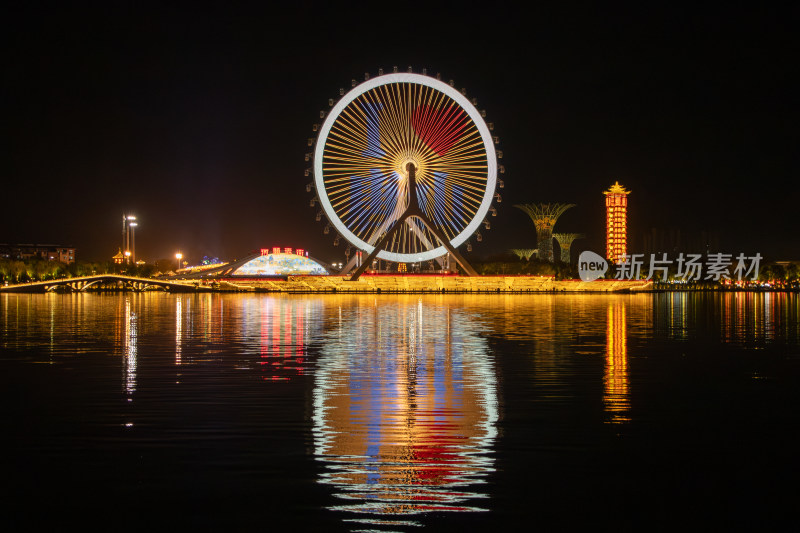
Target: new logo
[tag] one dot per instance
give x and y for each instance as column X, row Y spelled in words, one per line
column 591, row 266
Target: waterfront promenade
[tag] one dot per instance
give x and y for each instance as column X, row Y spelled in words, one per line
column 446, row 284
column 339, row 284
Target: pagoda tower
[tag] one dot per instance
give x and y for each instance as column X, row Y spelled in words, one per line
column 616, row 223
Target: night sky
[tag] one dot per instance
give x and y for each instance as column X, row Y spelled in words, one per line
column 196, row 119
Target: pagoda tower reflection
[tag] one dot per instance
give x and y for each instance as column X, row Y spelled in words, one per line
column 616, row 396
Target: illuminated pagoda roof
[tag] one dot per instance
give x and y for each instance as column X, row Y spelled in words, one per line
column 616, row 189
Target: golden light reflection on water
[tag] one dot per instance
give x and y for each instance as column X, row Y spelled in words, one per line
column 178, row 329
column 616, row 393
column 80, row 320
column 404, row 410
column 404, row 388
column 742, row 318
column 402, row 350
column 130, row 345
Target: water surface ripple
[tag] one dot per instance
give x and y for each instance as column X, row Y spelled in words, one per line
column 399, row 412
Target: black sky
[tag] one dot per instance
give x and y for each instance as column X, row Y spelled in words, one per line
column 195, row 117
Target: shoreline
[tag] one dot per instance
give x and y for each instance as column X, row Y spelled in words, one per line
column 367, row 284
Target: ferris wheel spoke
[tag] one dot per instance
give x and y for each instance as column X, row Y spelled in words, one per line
column 384, row 137
column 395, row 121
column 370, row 213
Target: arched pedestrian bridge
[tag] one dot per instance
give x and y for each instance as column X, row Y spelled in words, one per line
column 83, row 283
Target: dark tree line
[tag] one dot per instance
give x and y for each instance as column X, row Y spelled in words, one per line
column 26, row 270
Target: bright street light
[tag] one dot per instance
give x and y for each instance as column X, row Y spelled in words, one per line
column 129, row 237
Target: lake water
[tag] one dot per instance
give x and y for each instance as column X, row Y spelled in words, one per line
column 400, row 412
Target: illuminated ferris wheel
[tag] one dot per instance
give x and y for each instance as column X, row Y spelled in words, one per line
column 405, row 168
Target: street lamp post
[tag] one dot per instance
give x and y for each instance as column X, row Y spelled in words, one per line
column 179, row 256
column 133, row 225
column 129, row 238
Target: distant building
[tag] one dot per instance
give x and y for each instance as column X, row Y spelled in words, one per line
column 266, row 262
column 278, row 262
column 119, row 258
column 616, row 223
column 47, row 252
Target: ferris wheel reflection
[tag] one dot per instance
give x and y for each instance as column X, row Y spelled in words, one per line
column 405, row 410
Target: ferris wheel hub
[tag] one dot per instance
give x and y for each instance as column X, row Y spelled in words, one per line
column 404, row 170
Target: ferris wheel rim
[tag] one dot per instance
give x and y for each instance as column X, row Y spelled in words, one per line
column 480, row 125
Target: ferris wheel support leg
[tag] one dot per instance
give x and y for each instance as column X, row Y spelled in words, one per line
column 378, row 247
column 349, row 266
column 413, row 210
column 439, row 235
column 450, row 248
column 424, row 241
